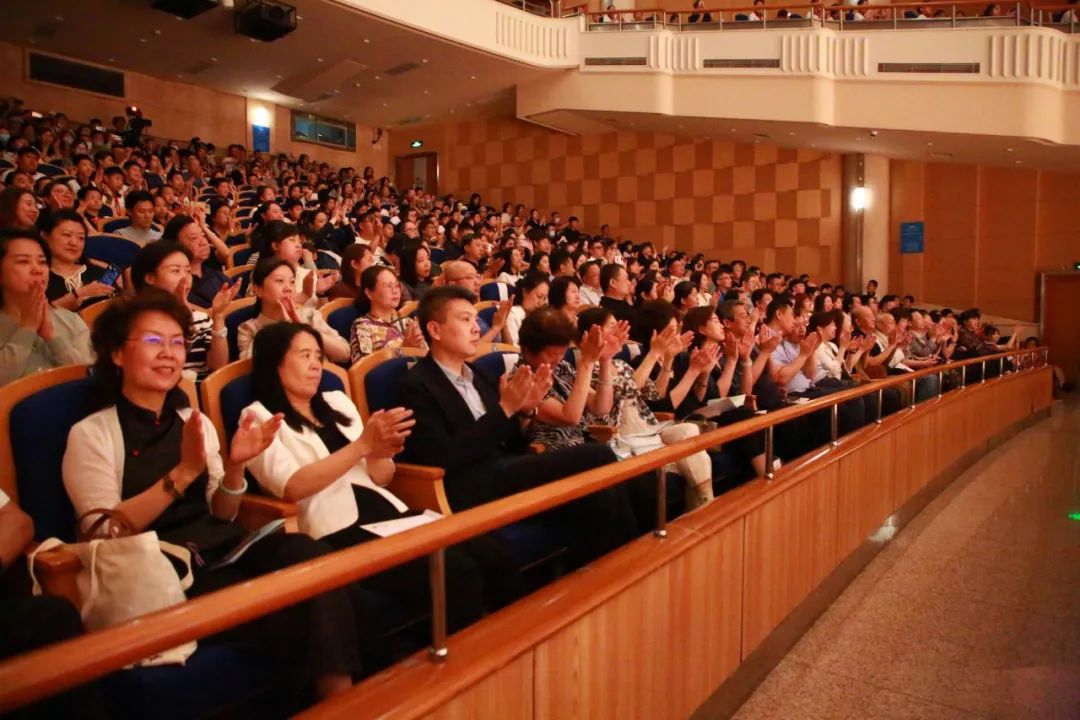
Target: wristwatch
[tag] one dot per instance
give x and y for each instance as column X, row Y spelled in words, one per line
column 170, row 487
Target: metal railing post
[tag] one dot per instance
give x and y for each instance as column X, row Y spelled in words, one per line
column 437, row 574
column 912, row 403
column 834, row 424
column 769, row 472
column 941, row 383
column 963, row 376
column 983, row 378
column 880, row 407
column 661, row 503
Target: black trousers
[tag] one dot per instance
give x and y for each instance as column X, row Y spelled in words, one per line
column 28, row 623
column 304, row 641
column 591, row 526
column 747, row 447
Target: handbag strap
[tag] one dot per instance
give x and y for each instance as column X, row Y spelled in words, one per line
column 121, row 526
column 184, row 556
column 47, row 544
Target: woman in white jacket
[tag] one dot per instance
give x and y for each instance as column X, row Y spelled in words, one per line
column 325, row 459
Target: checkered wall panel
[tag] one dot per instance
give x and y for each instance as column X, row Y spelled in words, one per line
column 775, row 207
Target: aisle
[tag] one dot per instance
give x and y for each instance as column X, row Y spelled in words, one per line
column 973, row 611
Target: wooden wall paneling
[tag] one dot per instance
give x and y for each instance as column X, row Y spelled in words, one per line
column 657, row 649
column 507, row 694
column 790, row 547
column 864, row 491
column 913, row 458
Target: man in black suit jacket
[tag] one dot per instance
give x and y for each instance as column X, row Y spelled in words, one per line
column 475, row 429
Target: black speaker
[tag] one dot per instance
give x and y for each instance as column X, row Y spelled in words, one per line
column 265, row 20
column 186, row 9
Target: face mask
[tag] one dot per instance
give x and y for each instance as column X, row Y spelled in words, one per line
column 551, row 233
column 4, row 137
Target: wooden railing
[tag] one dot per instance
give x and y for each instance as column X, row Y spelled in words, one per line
column 47, row 671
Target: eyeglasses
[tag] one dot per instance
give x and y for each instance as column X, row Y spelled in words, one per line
column 158, row 342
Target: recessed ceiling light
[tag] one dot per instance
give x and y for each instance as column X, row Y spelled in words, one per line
column 280, row 77
column 424, row 60
column 378, row 77
column 472, row 77
column 356, row 84
column 214, row 59
column 1008, row 150
column 143, row 40
column 1018, row 162
column 813, row 145
column 112, row 59
column 929, row 144
column 59, row 18
column 299, row 17
column 252, row 40
column 318, row 59
column 427, row 92
column 791, row 133
column 451, row 111
column 386, row 104
column 732, row 129
column 157, row 32
column 468, row 104
column 427, row 115
column 367, row 41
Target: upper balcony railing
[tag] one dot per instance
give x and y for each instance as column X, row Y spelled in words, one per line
column 954, row 14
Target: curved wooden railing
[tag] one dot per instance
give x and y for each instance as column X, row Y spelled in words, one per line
column 58, row 667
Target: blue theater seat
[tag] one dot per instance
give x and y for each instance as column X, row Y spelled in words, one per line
column 342, row 320
column 112, row 250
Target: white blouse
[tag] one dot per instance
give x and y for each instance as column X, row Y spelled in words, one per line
column 334, row 507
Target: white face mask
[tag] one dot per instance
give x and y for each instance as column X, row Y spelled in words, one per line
column 551, row 233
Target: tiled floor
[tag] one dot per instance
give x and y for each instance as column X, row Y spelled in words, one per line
column 973, row 611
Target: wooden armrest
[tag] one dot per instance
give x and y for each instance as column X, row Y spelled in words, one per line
column 601, row 433
column 56, row 570
column 421, row 487
column 664, row 416
column 257, row 510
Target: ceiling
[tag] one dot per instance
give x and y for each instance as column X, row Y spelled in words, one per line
column 930, row 147
column 338, row 62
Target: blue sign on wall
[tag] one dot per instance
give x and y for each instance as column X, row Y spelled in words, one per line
column 260, row 138
column 912, row 237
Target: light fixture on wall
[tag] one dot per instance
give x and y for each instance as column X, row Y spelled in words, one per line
column 260, row 116
column 416, row 144
column 860, row 198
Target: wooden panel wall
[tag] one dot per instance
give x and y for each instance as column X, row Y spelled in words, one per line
column 507, row 694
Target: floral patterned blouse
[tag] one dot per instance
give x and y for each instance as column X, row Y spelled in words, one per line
column 555, row 437
column 370, row 335
column 624, row 388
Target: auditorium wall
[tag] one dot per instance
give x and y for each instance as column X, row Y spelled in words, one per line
column 774, row 207
column 179, row 111
column 989, row 231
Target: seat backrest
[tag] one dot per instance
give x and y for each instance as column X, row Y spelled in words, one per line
column 342, row 319
column 90, row 313
column 486, row 311
column 438, row 255
column 37, row 413
column 113, row 225
column 630, row 352
column 237, row 312
column 50, row 170
column 495, row 291
column 376, row 378
column 112, row 250
column 240, row 257
column 495, row 364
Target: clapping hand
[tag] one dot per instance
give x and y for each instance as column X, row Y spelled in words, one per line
column 810, row 343
column 668, row 342
column 703, row 359
column 592, row 343
column 253, row 437
column 541, row 384
column 386, row 431
column 514, row 391
column 767, row 340
column 498, row 321
column 288, row 308
column 614, row 340
column 413, row 337
column 225, row 295
column 193, row 447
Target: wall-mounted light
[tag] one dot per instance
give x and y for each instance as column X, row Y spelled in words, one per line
column 416, row 143
column 260, row 116
column 860, row 198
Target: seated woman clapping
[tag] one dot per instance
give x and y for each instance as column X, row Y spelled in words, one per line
column 635, row 393
column 152, row 458
column 274, row 284
column 33, row 335
column 336, row 467
column 378, row 325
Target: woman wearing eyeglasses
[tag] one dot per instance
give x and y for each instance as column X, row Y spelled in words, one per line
column 150, row 457
column 33, row 335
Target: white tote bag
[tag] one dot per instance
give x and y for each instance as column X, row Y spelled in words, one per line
column 123, row 578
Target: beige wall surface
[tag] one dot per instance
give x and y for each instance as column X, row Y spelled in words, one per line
column 989, row 231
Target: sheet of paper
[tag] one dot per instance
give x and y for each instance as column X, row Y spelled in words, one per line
column 387, row 528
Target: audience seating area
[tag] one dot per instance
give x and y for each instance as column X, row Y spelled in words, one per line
column 545, row 365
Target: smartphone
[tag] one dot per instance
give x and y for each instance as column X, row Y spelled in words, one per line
column 112, row 274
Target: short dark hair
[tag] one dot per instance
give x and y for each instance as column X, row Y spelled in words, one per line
column 265, row 266
column 726, row 310
column 174, row 226
column 137, row 196
column 545, row 327
column 433, row 305
column 150, row 257
column 113, row 326
column 653, row 315
column 608, row 273
column 268, row 350
column 755, row 297
column 778, row 305
column 557, row 290
column 592, row 316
